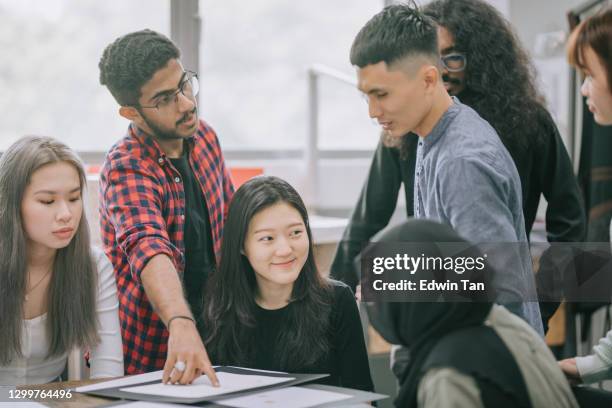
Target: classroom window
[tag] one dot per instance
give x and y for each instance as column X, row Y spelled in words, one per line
column 253, row 69
column 49, row 67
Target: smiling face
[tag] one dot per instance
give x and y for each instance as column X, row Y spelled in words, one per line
column 596, row 88
column 399, row 99
column 51, row 207
column 277, row 246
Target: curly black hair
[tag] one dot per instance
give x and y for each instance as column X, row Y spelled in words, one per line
column 499, row 76
column 398, row 31
column 131, row 61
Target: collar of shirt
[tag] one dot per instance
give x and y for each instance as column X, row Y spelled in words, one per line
column 150, row 144
column 440, row 128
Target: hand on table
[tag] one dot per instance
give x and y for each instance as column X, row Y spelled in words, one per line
column 185, row 346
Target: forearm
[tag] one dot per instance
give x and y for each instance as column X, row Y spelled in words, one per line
column 163, row 288
column 565, row 214
column 597, row 366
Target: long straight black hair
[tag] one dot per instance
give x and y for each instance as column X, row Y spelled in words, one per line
column 71, row 298
column 229, row 312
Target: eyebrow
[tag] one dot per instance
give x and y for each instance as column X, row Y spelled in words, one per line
column 371, row 91
column 74, row 190
column 295, row 224
column 168, row 91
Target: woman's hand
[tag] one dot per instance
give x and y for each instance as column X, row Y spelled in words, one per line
column 569, row 368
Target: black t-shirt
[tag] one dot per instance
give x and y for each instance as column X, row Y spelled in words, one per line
column 199, row 253
column 347, row 361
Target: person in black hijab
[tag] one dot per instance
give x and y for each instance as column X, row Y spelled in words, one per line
column 470, row 352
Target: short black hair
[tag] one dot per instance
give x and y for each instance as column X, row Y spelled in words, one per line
column 131, row 61
column 398, row 31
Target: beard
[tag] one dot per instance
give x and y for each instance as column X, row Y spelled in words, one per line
column 466, row 95
column 452, row 81
column 163, row 134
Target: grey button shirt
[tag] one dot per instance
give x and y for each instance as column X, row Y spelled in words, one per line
column 466, row 178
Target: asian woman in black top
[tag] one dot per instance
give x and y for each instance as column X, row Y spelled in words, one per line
column 267, row 306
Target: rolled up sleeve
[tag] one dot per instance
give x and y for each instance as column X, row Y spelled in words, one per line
column 133, row 206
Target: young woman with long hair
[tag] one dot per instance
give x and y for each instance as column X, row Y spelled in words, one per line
column 590, row 50
column 267, row 306
column 55, row 293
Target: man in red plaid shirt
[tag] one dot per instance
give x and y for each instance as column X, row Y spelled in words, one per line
column 164, row 193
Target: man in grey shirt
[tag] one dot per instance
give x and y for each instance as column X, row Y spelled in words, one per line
column 464, row 176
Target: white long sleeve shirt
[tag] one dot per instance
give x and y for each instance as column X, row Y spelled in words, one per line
column 106, row 359
column 597, row 366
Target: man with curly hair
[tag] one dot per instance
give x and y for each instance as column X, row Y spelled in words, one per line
column 483, row 65
column 164, row 193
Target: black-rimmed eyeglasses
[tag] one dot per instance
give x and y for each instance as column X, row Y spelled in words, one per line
column 454, row 62
column 189, row 88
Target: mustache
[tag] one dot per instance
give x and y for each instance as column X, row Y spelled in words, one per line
column 186, row 116
column 452, row 81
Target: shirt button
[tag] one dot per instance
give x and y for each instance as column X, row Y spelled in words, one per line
column 182, row 216
column 177, row 179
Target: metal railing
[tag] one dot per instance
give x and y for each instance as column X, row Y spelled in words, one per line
column 312, row 152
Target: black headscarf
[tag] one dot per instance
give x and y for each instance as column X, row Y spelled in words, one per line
column 419, row 325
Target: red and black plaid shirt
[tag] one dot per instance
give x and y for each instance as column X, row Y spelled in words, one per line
column 142, row 214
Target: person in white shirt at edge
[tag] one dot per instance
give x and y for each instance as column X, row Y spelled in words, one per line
column 590, row 50
column 56, row 293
